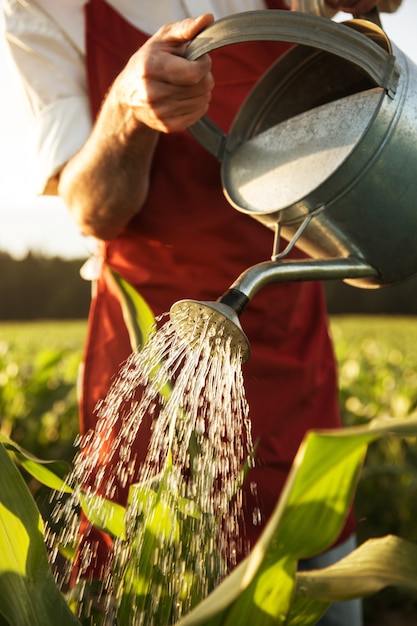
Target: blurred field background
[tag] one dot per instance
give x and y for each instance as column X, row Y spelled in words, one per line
column 378, row 378
column 377, row 358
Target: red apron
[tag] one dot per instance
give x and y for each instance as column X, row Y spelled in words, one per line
column 188, row 242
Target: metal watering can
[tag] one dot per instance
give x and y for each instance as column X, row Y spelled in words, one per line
column 323, row 151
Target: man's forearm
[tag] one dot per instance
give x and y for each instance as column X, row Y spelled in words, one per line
column 105, row 184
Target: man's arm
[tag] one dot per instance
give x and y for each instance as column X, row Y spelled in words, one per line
column 106, row 183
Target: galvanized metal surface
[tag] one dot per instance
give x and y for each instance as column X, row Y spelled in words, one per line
column 315, row 7
column 283, row 164
column 359, row 184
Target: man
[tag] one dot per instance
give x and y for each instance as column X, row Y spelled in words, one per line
column 140, row 184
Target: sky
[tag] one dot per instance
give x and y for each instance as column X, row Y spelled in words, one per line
column 42, row 225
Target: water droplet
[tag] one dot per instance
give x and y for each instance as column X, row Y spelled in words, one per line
column 256, row 516
column 200, row 426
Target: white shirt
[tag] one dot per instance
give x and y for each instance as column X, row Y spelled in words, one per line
column 46, row 43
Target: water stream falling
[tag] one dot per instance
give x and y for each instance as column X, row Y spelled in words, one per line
column 182, row 528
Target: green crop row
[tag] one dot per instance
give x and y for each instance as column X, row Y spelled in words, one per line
column 38, row 379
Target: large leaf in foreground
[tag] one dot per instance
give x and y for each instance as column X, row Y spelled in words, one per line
column 104, row 514
column 376, row 564
column 28, row 593
column 307, row 519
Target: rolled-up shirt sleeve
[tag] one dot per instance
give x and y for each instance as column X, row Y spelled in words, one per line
column 49, row 64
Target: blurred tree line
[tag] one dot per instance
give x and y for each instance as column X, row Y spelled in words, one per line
column 40, row 287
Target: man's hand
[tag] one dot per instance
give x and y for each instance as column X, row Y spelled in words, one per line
column 159, row 87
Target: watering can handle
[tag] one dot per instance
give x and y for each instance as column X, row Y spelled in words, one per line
column 371, row 16
column 291, row 27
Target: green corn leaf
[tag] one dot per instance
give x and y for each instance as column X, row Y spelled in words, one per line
column 307, row 519
column 377, row 563
column 137, row 315
column 104, row 514
column 28, row 593
column 49, row 473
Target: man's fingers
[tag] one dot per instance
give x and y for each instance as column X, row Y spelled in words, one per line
column 182, row 32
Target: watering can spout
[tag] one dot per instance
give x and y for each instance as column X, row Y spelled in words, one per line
column 193, row 318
